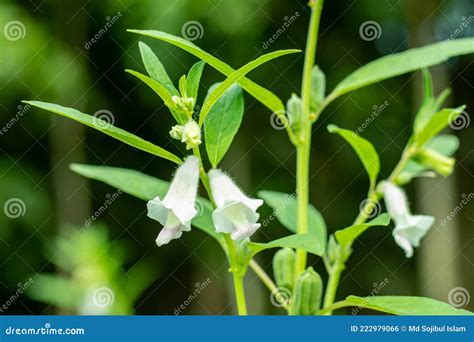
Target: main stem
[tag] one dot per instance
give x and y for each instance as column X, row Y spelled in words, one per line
column 303, row 147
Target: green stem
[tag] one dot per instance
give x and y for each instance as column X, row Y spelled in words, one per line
column 335, row 306
column 237, row 275
column 303, row 147
column 333, row 284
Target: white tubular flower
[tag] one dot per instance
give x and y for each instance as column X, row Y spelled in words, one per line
column 236, row 213
column 409, row 229
column 177, row 209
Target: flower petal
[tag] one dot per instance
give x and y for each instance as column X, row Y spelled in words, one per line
column 409, row 234
column 237, row 219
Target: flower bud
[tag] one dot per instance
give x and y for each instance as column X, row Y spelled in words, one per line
column 436, row 161
column 307, row 293
column 176, row 132
column 191, row 135
column 284, row 268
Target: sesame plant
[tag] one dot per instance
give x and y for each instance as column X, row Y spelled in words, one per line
column 229, row 216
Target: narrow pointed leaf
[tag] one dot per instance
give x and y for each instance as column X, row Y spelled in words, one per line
column 145, row 187
column 402, row 63
column 194, row 78
column 263, row 95
column 222, row 124
column 235, row 76
column 436, row 124
column 345, row 237
column 406, row 305
column 107, row 128
column 364, row 149
column 155, row 68
column 306, row 242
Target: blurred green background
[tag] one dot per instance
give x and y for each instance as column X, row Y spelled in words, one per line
column 48, row 55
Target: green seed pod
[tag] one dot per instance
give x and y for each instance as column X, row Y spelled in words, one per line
column 436, row 161
column 284, row 268
column 318, row 88
column 295, row 111
column 307, row 294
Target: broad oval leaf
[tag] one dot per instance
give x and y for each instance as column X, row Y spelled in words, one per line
column 285, row 209
column 235, row 76
column 345, row 237
column 406, row 305
column 364, row 149
column 306, row 242
column 222, row 124
column 155, row 69
column 402, row 63
column 145, row 187
column 107, row 128
column 266, row 97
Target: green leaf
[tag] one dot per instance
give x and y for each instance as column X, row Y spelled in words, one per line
column 406, row 305
column 235, row 76
column 307, row 242
column 263, row 95
column 364, row 149
column 107, row 128
column 285, row 209
column 194, row 78
column 436, row 124
column 402, row 63
column 345, row 237
column 222, row 124
column 155, row 69
column 146, row 188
